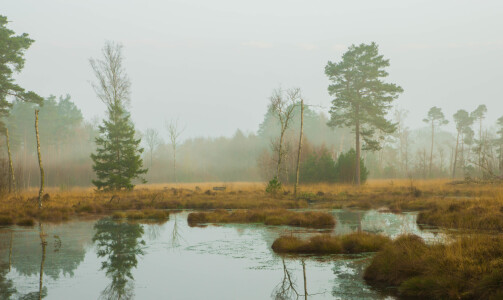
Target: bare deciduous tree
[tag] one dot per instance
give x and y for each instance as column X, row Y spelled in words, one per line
column 12, row 179
column 42, row 175
column 282, row 105
column 174, row 131
column 113, row 86
column 152, row 139
column 297, row 173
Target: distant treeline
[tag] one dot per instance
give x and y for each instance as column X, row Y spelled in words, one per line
column 67, row 141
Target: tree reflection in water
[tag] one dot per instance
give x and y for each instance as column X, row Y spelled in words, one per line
column 176, row 234
column 287, row 289
column 120, row 245
column 42, row 291
column 6, row 285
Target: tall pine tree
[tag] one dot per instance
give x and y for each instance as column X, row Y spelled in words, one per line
column 362, row 98
column 117, row 161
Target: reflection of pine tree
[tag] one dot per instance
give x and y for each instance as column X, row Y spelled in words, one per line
column 119, row 243
column 6, row 285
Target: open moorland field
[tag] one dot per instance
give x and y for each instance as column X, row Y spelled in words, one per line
column 440, row 202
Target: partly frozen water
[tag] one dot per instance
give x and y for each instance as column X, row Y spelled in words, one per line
column 103, row 259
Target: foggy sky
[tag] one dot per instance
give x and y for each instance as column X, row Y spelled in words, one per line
column 213, row 64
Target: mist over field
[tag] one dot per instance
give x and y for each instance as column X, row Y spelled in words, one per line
column 213, row 67
column 214, row 64
column 251, row 149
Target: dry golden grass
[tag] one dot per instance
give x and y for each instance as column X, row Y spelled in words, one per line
column 441, row 203
column 470, row 267
column 61, row 205
column 311, row 219
column 353, row 243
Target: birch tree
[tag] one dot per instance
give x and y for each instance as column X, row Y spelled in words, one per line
column 282, row 105
column 175, row 130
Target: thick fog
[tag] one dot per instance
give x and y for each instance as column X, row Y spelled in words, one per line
column 214, row 64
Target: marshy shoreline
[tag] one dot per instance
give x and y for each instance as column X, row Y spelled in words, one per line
column 468, row 266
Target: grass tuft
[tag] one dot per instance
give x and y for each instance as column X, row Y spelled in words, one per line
column 268, row 217
column 26, row 222
column 353, row 243
column 470, row 267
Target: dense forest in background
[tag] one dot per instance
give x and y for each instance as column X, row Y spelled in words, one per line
column 67, row 140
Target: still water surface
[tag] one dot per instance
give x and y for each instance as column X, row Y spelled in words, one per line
column 103, row 259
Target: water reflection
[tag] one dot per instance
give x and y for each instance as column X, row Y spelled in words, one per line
column 6, row 285
column 386, row 223
column 230, row 261
column 120, row 245
column 286, row 289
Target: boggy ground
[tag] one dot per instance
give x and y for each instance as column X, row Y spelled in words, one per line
column 309, row 219
column 470, row 267
column 358, row 242
column 469, row 206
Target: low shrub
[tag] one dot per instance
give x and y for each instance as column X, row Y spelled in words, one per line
column 274, row 186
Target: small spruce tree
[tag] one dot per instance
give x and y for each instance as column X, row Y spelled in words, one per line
column 118, row 156
column 117, row 161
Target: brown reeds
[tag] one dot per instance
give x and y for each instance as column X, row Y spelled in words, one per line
column 470, row 267
column 358, row 242
column 312, row 219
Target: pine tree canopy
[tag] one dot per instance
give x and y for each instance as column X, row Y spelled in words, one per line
column 361, row 96
column 12, row 49
column 462, row 119
column 435, row 117
column 117, row 160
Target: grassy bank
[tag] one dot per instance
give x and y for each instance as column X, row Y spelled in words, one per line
column 474, row 214
column 267, row 217
column 475, row 206
column 61, row 205
column 325, row 244
column 470, row 267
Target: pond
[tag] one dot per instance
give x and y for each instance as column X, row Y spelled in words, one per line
column 104, row 259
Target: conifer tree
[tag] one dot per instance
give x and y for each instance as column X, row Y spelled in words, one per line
column 463, row 122
column 362, row 98
column 117, row 160
column 12, row 50
column 436, row 119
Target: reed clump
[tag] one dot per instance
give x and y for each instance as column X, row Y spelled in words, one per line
column 26, row 222
column 470, row 267
column 311, row 219
column 358, row 242
column 478, row 215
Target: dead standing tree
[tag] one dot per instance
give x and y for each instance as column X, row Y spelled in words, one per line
column 297, row 173
column 152, row 140
column 282, row 105
column 174, row 131
column 12, row 179
column 41, row 191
